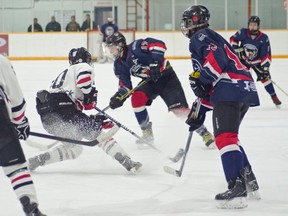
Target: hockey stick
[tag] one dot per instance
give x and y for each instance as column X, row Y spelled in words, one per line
column 176, row 158
column 102, row 137
column 256, row 68
column 127, row 94
column 279, row 88
column 178, row 173
column 39, row 146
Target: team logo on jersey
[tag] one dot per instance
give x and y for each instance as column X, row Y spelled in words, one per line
column 196, row 65
column 251, row 51
column 144, row 45
column 201, row 36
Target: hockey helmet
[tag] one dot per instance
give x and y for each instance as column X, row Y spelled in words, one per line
column 119, row 41
column 254, row 19
column 79, row 55
column 194, row 18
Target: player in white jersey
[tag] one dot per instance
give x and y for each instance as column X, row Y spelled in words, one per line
column 12, row 158
column 61, row 114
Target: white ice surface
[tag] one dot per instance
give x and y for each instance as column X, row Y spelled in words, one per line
column 94, row 184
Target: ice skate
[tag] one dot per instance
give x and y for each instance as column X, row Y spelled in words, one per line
column 234, row 197
column 147, row 137
column 126, row 161
column 208, row 139
column 252, row 186
column 276, row 101
column 30, row 209
column 39, row 160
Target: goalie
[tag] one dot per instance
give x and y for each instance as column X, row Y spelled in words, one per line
column 61, row 114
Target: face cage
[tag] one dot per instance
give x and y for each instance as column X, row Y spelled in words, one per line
column 187, row 27
column 119, row 49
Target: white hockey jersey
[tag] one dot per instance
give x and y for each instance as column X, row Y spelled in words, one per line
column 75, row 81
column 11, row 91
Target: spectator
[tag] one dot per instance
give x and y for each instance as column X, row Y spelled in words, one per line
column 37, row 26
column 73, row 26
column 53, row 26
column 86, row 26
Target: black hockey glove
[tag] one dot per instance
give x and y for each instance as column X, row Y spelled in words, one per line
column 23, row 129
column 90, row 100
column 199, row 89
column 155, row 72
column 116, row 101
column 139, row 71
column 262, row 73
column 195, row 121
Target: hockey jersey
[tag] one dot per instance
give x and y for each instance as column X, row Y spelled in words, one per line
column 219, row 66
column 11, row 92
column 257, row 50
column 75, row 81
column 140, row 52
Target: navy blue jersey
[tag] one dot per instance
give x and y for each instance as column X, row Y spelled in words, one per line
column 140, row 52
column 219, row 66
column 257, row 48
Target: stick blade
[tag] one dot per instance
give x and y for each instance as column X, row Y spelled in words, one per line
column 172, row 171
column 178, row 156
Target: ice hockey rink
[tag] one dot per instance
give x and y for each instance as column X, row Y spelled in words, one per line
column 94, row 184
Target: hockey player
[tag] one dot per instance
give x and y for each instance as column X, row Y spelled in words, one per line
column 221, row 78
column 61, row 114
column 107, row 29
column 144, row 58
column 253, row 49
column 14, row 126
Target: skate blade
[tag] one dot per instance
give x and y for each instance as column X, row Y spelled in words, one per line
column 236, row 203
column 254, row 195
column 136, row 169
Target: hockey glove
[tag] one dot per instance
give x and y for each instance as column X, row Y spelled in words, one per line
column 155, row 72
column 116, row 100
column 262, row 73
column 199, row 89
column 100, row 119
column 90, row 100
column 241, row 53
column 193, row 120
column 23, row 129
column 139, row 71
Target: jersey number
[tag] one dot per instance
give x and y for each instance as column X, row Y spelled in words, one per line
column 58, row 82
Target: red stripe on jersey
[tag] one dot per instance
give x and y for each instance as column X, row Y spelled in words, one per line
column 206, row 103
column 18, row 118
column 20, row 177
column 225, row 139
column 157, row 44
column 212, row 61
column 266, row 58
column 83, row 80
column 238, row 76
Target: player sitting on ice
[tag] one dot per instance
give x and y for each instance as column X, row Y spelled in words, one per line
column 61, row 114
column 144, row 58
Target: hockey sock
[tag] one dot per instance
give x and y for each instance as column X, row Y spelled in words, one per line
column 232, row 162
column 245, row 159
column 64, row 152
column 21, row 181
column 111, row 147
column 268, row 85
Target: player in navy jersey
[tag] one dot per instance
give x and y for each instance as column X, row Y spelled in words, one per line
column 61, row 114
column 144, row 58
column 253, row 49
column 221, row 79
column 14, row 126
